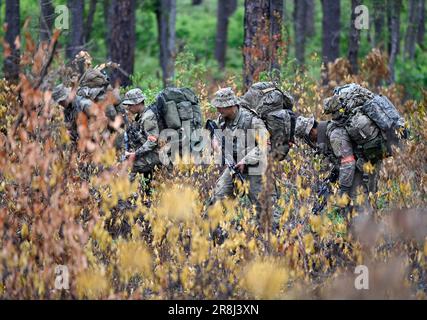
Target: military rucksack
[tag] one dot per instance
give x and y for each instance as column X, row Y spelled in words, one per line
column 176, row 107
column 274, row 107
column 373, row 122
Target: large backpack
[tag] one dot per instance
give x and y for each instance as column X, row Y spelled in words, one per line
column 374, row 125
column 174, row 107
column 274, row 107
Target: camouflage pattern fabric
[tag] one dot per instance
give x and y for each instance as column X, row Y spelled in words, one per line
column 143, row 134
column 224, row 187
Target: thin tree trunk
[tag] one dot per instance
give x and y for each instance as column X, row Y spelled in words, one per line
column 106, row 10
column 76, row 41
column 309, row 18
column 11, row 61
column 353, row 48
column 414, row 17
column 330, row 32
column 394, row 22
column 422, row 26
column 122, row 35
column 276, row 22
column 47, row 16
column 166, row 17
column 379, row 21
column 225, row 9
column 89, row 20
column 260, row 43
column 285, row 12
column 300, row 19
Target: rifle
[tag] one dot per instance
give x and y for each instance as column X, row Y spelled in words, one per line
column 125, row 137
column 212, row 127
column 322, row 196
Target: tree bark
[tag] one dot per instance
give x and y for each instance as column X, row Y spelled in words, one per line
column 260, row 39
column 331, row 30
column 379, row 21
column 225, row 9
column 394, row 41
column 276, row 23
column 414, row 17
column 309, row 18
column 106, row 10
column 47, row 17
column 353, row 48
column 166, row 17
column 422, row 26
column 300, row 19
column 89, row 20
column 12, row 56
column 122, row 44
column 76, row 41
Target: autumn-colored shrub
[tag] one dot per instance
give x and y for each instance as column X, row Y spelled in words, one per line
column 73, row 205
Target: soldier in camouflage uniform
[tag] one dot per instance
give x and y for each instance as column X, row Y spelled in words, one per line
column 232, row 118
column 61, row 95
column 142, row 133
column 94, row 88
column 334, row 142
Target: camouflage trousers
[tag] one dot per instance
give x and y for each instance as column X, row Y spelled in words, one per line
column 225, row 188
column 367, row 182
column 145, row 164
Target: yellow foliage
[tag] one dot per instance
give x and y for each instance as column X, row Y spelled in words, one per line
column 265, row 278
column 133, row 258
column 91, row 284
column 308, row 243
column 179, row 203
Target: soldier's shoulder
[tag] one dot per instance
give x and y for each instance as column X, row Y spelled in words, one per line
column 336, row 131
column 149, row 115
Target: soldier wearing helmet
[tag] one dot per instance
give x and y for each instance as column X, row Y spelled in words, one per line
column 233, row 118
column 142, row 133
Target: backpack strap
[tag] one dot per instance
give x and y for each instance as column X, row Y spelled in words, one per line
column 248, row 121
column 293, row 124
column 160, row 120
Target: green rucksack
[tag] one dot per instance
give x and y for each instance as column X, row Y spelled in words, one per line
column 274, row 107
column 176, row 107
column 371, row 121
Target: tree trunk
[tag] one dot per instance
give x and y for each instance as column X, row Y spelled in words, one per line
column 89, row 20
column 394, row 42
column 300, row 19
column 122, row 35
column 11, row 61
column 225, row 9
column 106, row 10
column 276, row 22
column 260, row 40
column 76, row 43
column 331, row 30
column 353, row 47
column 379, row 20
column 309, row 18
column 47, row 17
column 197, row 2
column 422, row 26
column 166, row 16
column 414, row 17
